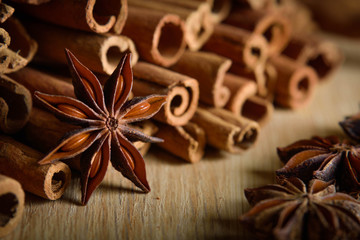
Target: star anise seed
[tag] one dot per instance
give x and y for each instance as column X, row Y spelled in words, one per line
column 290, row 210
column 104, row 115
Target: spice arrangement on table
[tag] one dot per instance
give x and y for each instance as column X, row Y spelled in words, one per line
column 101, row 81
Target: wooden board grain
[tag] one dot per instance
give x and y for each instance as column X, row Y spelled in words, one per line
column 191, row 201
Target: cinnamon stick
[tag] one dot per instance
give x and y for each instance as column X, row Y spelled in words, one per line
column 159, row 37
column 323, row 56
column 244, row 102
column 239, row 45
column 274, row 27
column 12, row 199
column 101, row 53
column 21, row 42
column 35, row 80
column 295, row 83
column 15, row 105
column 182, row 92
column 209, row 70
column 6, row 11
column 187, row 142
column 4, row 40
column 88, row 15
column 195, row 14
column 226, row 131
column 220, row 9
column 21, row 163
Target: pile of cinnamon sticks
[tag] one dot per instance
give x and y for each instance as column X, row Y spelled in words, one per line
column 222, row 65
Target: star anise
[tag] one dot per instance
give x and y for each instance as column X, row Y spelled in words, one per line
column 104, row 115
column 351, row 126
column 291, row 210
column 322, row 158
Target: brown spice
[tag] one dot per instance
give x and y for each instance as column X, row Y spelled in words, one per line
column 293, row 210
column 104, row 115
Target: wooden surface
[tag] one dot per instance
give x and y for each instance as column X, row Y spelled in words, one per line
column 199, row 201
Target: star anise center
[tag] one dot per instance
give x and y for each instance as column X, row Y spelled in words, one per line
column 341, row 147
column 112, row 123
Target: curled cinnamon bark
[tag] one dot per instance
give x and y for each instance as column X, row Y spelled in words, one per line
column 6, row 11
column 88, row 15
column 274, row 27
column 195, row 14
column 35, row 80
column 99, row 52
column 295, row 83
column 226, row 131
column 15, row 105
column 209, row 70
column 322, row 55
column 244, row 102
column 21, row 42
column 239, row 45
column 162, row 38
column 182, row 92
column 220, row 9
column 187, row 142
column 12, row 199
column 21, row 163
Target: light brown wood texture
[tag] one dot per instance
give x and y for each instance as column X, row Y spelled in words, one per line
column 191, row 201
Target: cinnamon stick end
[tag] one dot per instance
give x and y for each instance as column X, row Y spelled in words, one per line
column 56, row 181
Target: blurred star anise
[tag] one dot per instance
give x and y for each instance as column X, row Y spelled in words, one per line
column 351, row 126
column 104, row 115
column 290, row 210
column 322, row 158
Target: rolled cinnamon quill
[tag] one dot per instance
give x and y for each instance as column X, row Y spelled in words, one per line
column 323, row 56
column 220, row 9
column 12, row 199
column 187, row 142
column 21, row 44
column 244, row 102
column 195, row 14
column 159, row 37
column 182, row 92
column 88, row 15
column 209, row 70
column 21, row 163
column 6, row 11
column 226, row 131
column 274, row 27
column 239, row 45
column 295, row 83
column 15, row 105
column 35, row 80
column 101, row 53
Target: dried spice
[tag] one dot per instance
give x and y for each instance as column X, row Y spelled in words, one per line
column 351, row 126
column 292, row 210
column 104, row 115
column 322, row 158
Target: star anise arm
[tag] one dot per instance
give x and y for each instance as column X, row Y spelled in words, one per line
column 255, row 195
column 87, row 87
column 72, row 144
column 69, row 109
column 327, row 169
column 351, row 126
column 94, row 163
column 141, row 108
column 119, row 85
column 133, row 135
column 303, row 164
column 127, row 159
column 290, row 222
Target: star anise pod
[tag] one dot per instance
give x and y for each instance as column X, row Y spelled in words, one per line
column 104, row 115
column 351, row 126
column 291, row 210
column 322, row 158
